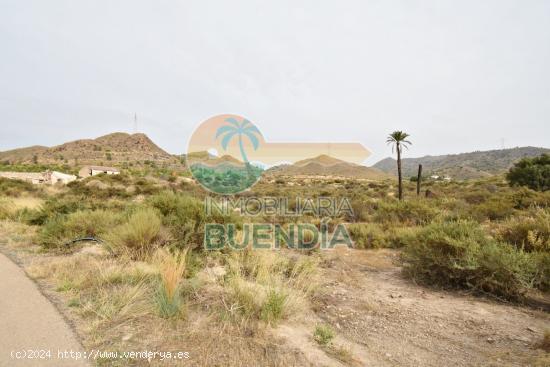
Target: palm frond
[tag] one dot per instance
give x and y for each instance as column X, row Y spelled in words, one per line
column 224, row 129
column 227, row 137
column 252, row 129
column 253, row 138
column 233, row 121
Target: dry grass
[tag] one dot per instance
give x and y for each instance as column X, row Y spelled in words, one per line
column 268, row 285
column 340, row 352
column 545, row 343
column 16, row 235
column 139, row 236
column 27, row 202
column 168, row 294
column 6, row 208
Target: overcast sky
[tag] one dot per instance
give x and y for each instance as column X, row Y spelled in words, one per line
column 457, row 75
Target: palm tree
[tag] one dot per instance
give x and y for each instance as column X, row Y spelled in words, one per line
column 398, row 140
column 244, row 128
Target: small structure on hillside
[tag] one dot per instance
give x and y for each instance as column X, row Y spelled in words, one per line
column 59, row 177
column 47, row 177
column 88, row 171
column 32, row 177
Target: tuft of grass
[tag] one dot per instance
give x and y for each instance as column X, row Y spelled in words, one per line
column 323, row 334
column 73, row 302
column 139, row 236
column 340, row 352
column 273, row 307
column 6, row 208
column 168, row 293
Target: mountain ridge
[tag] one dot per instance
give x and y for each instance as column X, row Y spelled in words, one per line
column 477, row 164
column 325, row 165
column 110, row 149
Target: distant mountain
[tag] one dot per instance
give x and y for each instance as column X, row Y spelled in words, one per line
column 111, row 149
column 462, row 166
column 325, row 165
column 214, row 161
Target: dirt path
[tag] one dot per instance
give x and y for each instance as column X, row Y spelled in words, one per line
column 28, row 321
column 386, row 320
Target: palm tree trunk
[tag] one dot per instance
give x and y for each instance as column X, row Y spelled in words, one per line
column 399, row 175
column 241, row 147
column 419, row 179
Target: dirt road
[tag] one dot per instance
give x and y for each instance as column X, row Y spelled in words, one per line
column 30, row 326
column 387, row 320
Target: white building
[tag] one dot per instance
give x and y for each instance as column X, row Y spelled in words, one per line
column 60, row 177
column 89, row 171
column 32, row 177
column 47, row 177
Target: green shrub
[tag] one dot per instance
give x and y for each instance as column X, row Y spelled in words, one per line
column 182, row 214
column 407, row 212
column 458, row 254
column 15, row 188
column 542, row 273
column 531, row 172
column 94, row 187
column 53, row 207
column 61, row 229
column 373, row 235
column 368, row 235
column 530, row 232
column 139, row 236
column 323, row 334
column 495, row 208
column 185, row 216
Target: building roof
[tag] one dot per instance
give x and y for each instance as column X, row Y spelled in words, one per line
column 102, row 168
column 23, row 175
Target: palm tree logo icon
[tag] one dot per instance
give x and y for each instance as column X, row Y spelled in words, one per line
column 239, row 129
column 227, row 173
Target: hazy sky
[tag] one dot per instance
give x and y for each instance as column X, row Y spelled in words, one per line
column 457, row 75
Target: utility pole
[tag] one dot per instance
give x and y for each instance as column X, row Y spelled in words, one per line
column 418, row 179
column 135, row 123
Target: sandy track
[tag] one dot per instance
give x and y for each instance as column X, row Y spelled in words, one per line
column 391, row 321
column 28, row 321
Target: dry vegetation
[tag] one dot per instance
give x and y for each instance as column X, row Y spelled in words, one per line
column 149, row 283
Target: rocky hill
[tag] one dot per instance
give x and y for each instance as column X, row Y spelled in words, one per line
column 462, row 166
column 325, row 165
column 111, row 149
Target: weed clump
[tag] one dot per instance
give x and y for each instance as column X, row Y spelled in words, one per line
column 6, row 208
column 323, row 334
column 168, row 292
column 373, row 235
column 530, row 232
column 139, row 236
column 409, row 212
